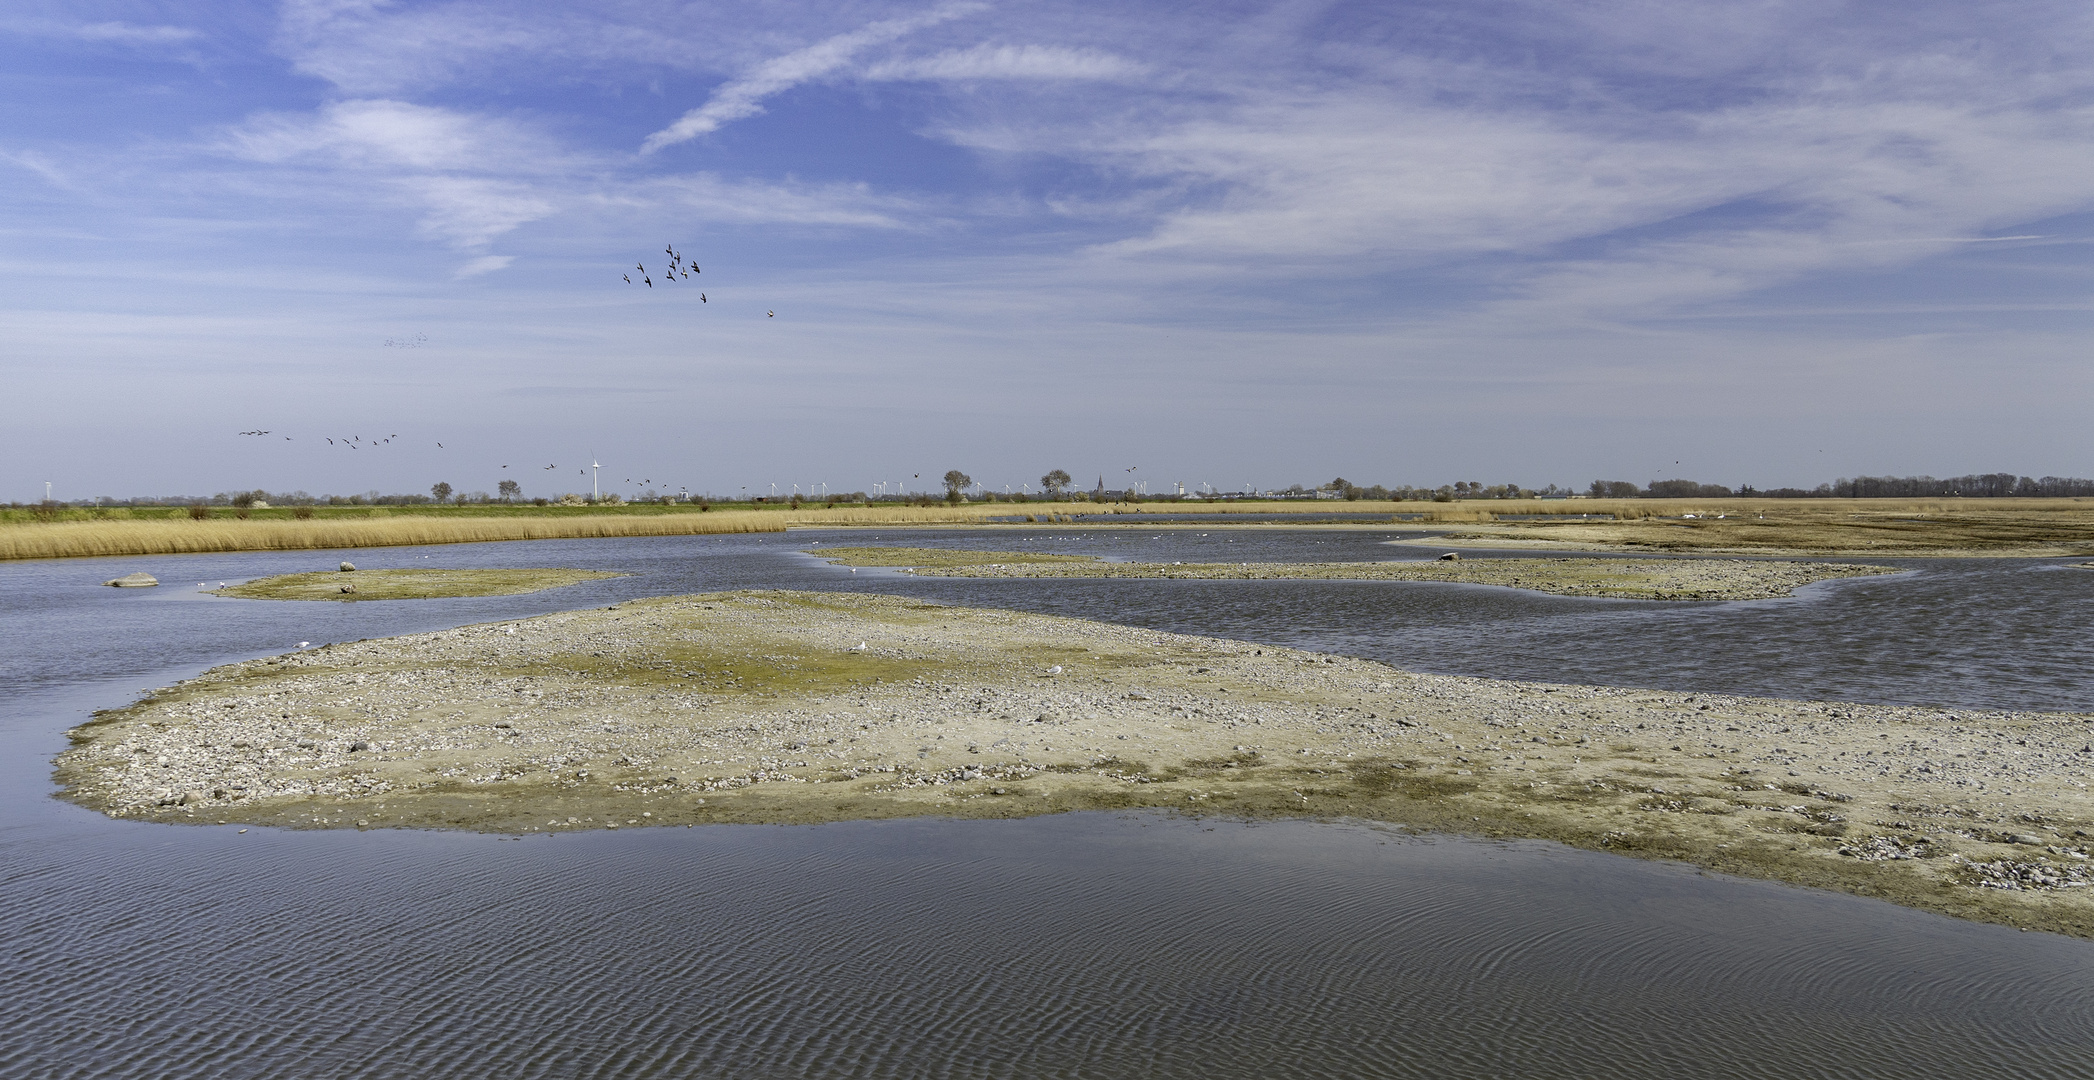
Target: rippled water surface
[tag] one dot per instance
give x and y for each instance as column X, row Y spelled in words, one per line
column 1076, row 945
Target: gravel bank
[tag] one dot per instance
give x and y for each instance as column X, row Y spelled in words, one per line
column 806, row 707
column 1634, row 579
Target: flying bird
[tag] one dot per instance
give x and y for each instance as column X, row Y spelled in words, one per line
column 770, row 314
column 702, row 299
column 648, row 280
column 628, row 278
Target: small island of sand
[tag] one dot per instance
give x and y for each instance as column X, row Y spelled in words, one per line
column 418, row 584
column 1628, row 579
column 811, row 707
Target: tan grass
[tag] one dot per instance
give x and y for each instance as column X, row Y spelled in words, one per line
column 1958, row 523
column 90, row 538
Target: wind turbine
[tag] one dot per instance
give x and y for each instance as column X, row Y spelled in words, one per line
column 594, row 495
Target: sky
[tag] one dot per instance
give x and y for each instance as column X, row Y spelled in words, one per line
column 1212, row 243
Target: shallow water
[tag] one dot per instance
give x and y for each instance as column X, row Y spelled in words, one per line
column 1077, row 945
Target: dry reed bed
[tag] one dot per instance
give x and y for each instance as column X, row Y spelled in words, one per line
column 92, row 538
column 2022, row 518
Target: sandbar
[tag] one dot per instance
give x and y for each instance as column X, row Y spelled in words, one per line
column 415, row 584
column 1628, row 579
column 794, row 707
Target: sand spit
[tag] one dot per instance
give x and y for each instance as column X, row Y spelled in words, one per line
column 807, row 707
column 415, row 584
column 1635, row 579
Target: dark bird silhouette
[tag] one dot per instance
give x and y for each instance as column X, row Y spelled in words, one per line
column 702, row 299
column 648, row 280
column 640, row 268
column 439, row 446
column 330, row 442
column 770, row 314
column 628, row 278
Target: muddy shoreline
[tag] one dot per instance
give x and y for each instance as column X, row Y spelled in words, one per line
column 809, row 707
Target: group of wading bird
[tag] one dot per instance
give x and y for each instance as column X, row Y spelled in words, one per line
column 679, row 269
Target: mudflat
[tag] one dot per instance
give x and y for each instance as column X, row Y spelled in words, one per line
column 1633, row 579
column 809, row 707
column 407, row 584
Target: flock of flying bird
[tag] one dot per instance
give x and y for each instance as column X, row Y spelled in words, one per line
column 679, row 269
column 356, row 442
column 348, row 442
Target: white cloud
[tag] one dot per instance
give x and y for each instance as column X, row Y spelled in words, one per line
column 476, row 177
column 1040, row 62
column 122, row 33
column 39, row 164
column 716, row 198
column 744, row 97
column 485, row 264
column 392, row 133
column 470, row 212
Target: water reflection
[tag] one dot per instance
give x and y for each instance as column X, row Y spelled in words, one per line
column 1090, row 945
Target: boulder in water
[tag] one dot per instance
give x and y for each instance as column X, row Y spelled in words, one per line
column 139, row 580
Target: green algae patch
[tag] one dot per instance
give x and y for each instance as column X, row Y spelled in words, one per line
column 928, row 558
column 420, row 584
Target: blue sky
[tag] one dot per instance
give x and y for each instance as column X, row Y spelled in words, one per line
column 1766, row 243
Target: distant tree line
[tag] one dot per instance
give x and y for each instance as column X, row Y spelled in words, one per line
column 1058, row 482
column 1977, row 486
